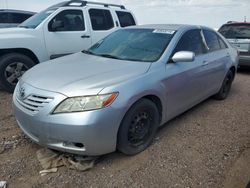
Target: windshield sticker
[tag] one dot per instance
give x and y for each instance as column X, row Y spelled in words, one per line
column 164, row 31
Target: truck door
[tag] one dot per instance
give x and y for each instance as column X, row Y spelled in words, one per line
column 67, row 33
column 102, row 23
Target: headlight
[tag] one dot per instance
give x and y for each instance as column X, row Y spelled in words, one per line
column 85, row 103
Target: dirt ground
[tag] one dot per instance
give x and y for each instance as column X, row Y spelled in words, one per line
column 208, row 146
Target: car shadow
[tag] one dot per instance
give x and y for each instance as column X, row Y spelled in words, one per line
column 162, row 130
column 244, row 70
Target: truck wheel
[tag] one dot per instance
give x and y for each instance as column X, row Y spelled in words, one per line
column 12, row 67
column 138, row 127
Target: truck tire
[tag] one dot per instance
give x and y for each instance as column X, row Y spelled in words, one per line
column 12, row 67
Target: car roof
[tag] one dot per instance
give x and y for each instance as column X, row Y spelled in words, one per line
column 237, row 23
column 17, row 11
column 174, row 27
column 82, row 3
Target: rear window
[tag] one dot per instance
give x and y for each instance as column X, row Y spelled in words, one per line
column 101, row 19
column 238, row 31
column 125, row 19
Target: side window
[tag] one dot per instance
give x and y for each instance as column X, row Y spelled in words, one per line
column 211, row 40
column 18, row 18
column 69, row 20
column 223, row 45
column 4, row 18
column 191, row 41
column 125, row 19
column 101, row 19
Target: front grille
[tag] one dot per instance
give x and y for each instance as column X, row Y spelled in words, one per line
column 34, row 103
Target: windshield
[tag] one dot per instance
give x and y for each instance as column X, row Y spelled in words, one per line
column 238, row 31
column 35, row 20
column 133, row 44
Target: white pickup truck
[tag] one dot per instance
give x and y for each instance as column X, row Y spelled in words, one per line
column 62, row 29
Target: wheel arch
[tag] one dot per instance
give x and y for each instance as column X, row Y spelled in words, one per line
column 22, row 51
column 152, row 97
column 233, row 69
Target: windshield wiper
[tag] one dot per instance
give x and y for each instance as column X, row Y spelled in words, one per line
column 88, row 52
column 23, row 26
column 108, row 56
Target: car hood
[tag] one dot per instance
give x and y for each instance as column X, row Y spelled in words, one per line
column 80, row 74
column 13, row 30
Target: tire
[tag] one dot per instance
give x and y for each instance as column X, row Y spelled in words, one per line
column 226, row 86
column 12, row 67
column 138, row 127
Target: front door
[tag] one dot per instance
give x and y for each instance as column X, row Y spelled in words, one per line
column 72, row 34
column 186, row 81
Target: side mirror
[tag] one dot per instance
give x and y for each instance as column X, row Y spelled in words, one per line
column 55, row 26
column 183, row 56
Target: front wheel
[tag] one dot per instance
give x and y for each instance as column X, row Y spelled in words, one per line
column 12, row 67
column 226, row 86
column 138, row 127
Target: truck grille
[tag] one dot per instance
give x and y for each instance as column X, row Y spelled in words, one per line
column 34, row 103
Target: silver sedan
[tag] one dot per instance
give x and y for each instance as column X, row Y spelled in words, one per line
column 117, row 93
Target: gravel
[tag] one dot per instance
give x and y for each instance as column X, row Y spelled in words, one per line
column 200, row 148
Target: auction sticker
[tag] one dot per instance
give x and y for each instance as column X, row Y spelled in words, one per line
column 164, row 31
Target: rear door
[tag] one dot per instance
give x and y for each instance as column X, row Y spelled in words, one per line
column 72, row 37
column 102, row 23
column 216, row 59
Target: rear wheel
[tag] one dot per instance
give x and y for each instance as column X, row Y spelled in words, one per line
column 12, row 67
column 226, row 86
column 138, row 127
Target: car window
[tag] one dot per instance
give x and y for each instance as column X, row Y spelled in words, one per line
column 238, row 31
column 211, row 40
column 125, row 19
column 72, row 20
column 101, row 19
column 223, row 45
column 18, row 17
column 191, row 41
column 146, row 45
column 4, row 18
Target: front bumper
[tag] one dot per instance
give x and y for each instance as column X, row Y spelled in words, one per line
column 85, row 133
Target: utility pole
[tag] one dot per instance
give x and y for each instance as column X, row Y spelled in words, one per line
column 245, row 19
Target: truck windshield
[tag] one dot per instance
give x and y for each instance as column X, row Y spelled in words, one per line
column 145, row 45
column 236, row 31
column 35, row 20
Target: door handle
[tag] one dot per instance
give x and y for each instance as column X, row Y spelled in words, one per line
column 205, row 63
column 85, row 36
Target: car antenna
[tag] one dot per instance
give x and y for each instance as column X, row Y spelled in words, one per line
column 6, row 4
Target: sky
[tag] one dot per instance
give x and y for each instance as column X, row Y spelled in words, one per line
column 212, row 13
